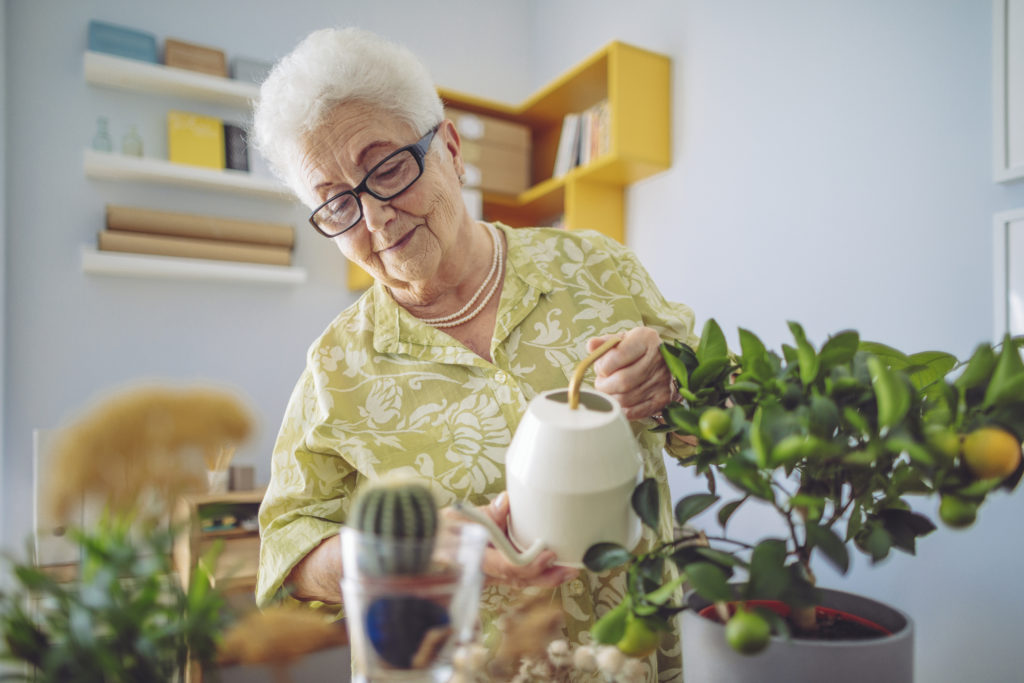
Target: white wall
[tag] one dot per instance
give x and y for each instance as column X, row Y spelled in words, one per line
column 832, row 165
column 70, row 336
column 3, row 247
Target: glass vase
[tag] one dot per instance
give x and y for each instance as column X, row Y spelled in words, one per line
column 407, row 627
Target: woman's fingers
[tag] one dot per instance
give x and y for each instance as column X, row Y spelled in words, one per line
column 634, row 373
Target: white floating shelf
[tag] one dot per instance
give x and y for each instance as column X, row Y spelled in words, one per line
column 112, row 166
column 138, row 76
column 170, row 267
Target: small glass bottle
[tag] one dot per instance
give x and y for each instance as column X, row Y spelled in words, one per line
column 101, row 141
column 131, row 144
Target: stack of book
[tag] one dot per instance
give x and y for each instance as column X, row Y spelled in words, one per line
column 206, row 141
column 585, row 136
column 164, row 233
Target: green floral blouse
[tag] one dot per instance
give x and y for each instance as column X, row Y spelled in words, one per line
column 385, row 392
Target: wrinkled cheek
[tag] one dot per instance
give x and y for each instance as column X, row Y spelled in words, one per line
column 445, row 209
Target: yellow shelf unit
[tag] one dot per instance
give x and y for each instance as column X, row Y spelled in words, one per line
column 637, row 85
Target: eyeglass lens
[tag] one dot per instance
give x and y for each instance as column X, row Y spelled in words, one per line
column 386, row 181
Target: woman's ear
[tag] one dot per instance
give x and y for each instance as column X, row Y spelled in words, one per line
column 452, row 147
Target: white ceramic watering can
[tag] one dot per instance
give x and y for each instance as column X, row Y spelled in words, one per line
column 570, row 470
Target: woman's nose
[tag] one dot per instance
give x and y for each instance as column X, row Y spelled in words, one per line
column 376, row 212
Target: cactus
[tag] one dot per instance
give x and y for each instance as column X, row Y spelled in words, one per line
column 395, row 513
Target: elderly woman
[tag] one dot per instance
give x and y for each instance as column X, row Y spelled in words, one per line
column 430, row 371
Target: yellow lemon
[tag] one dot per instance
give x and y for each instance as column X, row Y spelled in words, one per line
column 991, row 452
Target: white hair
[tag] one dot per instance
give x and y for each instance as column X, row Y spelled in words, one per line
column 330, row 67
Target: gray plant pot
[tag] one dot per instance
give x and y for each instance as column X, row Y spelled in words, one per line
column 707, row 658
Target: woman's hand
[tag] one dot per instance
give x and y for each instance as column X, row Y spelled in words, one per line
column 500, row 570
column 634, row 373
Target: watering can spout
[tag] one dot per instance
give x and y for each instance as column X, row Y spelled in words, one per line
column 498, row 537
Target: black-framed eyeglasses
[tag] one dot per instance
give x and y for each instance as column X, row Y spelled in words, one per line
column 395, row 174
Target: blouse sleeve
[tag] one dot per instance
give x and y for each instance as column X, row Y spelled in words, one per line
column 307, row 499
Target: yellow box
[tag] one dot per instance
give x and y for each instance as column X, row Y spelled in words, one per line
column 195, row 139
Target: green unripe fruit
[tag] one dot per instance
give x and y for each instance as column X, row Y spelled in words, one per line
column 641, row 637
column 402, row 519
column 957, row 513
column 747, row 632
column 943, row 441
column 714, row 424
column 611, row 626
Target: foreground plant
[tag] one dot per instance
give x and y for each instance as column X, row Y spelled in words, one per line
column 833, row 441
column 125, row 618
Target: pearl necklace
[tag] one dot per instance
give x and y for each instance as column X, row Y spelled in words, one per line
column 461, row 317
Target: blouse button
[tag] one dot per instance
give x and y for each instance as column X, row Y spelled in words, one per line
column 501, row 376
column 576, row 588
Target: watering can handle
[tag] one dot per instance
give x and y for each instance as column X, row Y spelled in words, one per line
column 498, row 536
column 577, row 376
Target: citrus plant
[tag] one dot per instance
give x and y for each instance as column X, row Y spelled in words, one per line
column 834, row 441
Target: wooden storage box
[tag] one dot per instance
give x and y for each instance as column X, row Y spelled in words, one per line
column 207, row 60
column 496, row 151
column 494, row 168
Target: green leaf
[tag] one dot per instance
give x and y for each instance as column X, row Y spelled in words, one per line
column 604, row 556
column 757, row 362
column 751, row 347
column 759, row 437
column 768, row 574
column 904, row 526
column 912, row 448
column 710, row 372
column 610, row 628
column 824, row 416
column 712, row 342
column 647, row 502
column 709, row 581
column 692, row 505
column 748, row 478
column 726, row 511
column 831, row 545
column 979, row 368
column 666, row 591
column 675, row 366
column 720, row 557
column 810, row 363
column 1007, row 382
column 927, row 367
column 856, row 420
column 839, row 349
column 894, row 358
column 891, row 394
column 683, row 419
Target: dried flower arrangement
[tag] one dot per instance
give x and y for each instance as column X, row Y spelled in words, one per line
column 127, row 618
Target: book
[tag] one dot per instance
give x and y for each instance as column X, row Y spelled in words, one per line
column 567, row 154
column 173, row 224
column 158, row 245
column 236, row 148
column 195, row 139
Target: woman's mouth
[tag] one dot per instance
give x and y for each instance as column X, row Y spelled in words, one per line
column 402, row 242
